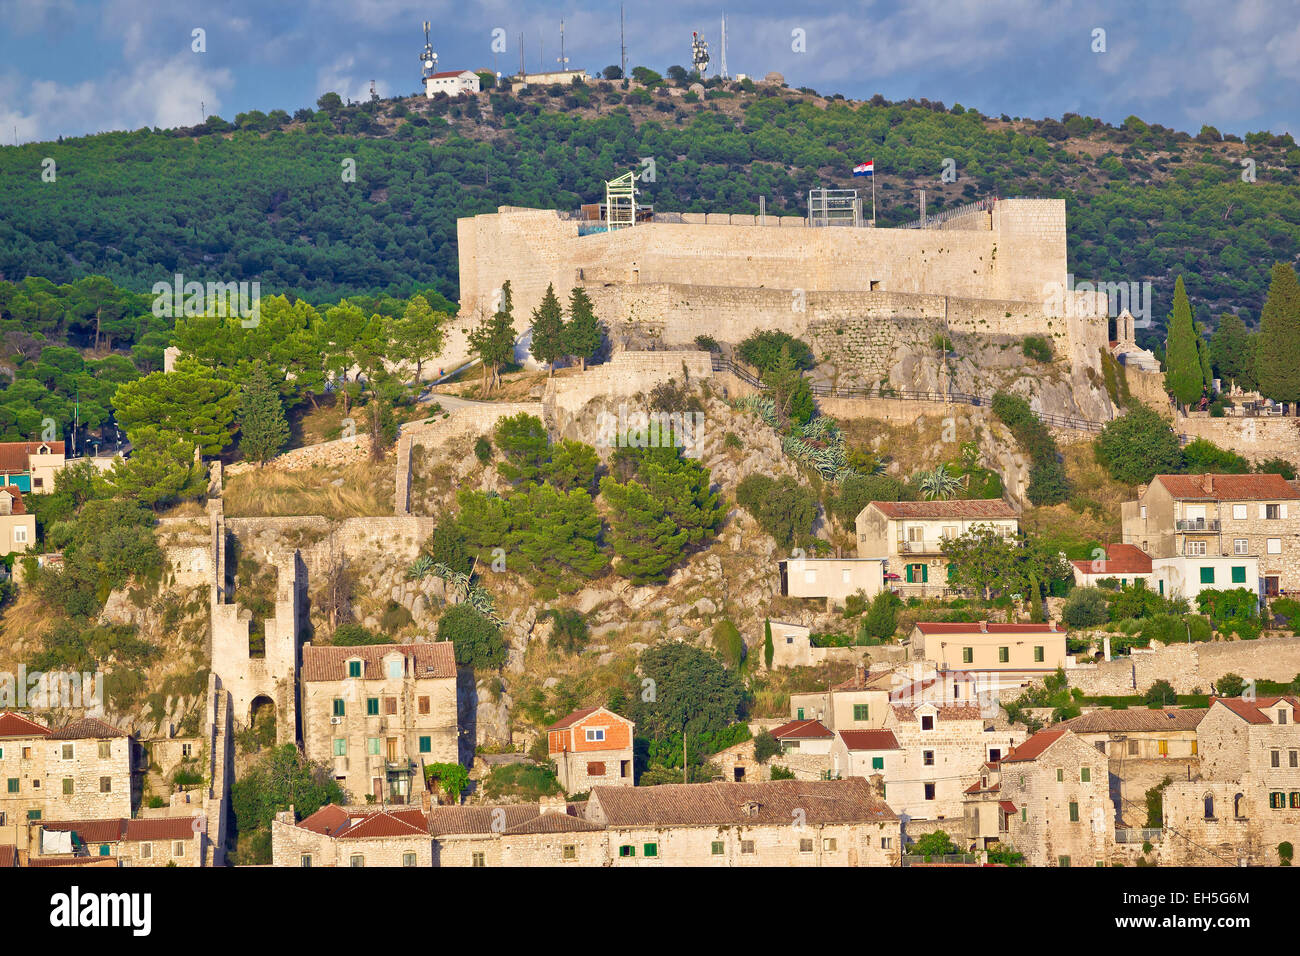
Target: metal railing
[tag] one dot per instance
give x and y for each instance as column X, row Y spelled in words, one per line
column 1196, row 524
column 929, row 222
column 909, row 859
column 1139, row 834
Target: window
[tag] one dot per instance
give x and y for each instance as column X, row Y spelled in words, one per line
column 67, row 786
column 20, row 535
column 1281, row 716
column 1039, row 654
column 927, row 722
column 105, row 750
column 927, row 758
column 1276, row 757
column 1272, row 512
column 36, row 814
column 426, row 745
column 1162, row 748
column 716, row 848
column 178, row 848
column 395, row 669
column 746, row 846
column 1238, row 512
column 372, row 706
column 105, row 784
column 146, row 852
column 12, row 785
column 1144, row 512
column 968, row 655
column 1238, row 574
column 1063, row 861
column 596, row 768
column 67, row 751
column 390, row 705
column 1277, row 800
column 1085, row 774
column 340, row 747
column 1074, row 811
column 570, row 852
column 828, row 844
column 886, row 843
column 477, row 859
column 805, row 846
column 1274, row 546
column 1024, row 814
column 1132, row 748
column 372, row 746
column 303, row 861
column 357, row 860
column 595, row 735
column 799, row 714
column 1241, row 546
column 1194, row 548
column 1208, row 800
column 408, row 859
column 877, row 763
column 1060, row 775
column 929, row 791
column 338, row 706
column 1004, row 654
column 1207, row 575
column 1295, row 799
column 354, row 668
column 422, row 705
column 627, row 849
column 860, row 712
column 1294, row 756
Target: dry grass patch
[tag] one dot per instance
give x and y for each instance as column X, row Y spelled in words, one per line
column 357, row 490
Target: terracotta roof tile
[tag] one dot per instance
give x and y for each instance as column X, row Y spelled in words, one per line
column 478, row 819
column 72, row 861
column 869, row 739
column 973, row 627
column 328, row 820
column 1034, row 747
column 16, row 506
column 385, row 823
column 570, row 719
column 88, row 728
column 1120, row 559
column 1007, row 806
column 1253, row 711
column 957, row 508
column 1228, row 487
column 748, row 804
column 552, row 822
column 802, row 730
column 14, row 454
column 91, row 831
column 8, row 856
column 161, row 828
column 330, row 663
column 1136, row 719
column 16, row 725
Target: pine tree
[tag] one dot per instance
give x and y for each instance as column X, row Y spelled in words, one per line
column 1232, row 351
column 1279, row 337
column 548, row 330
column 493, row 340
column 263, row 429
column 1184, row 377
column 583, row 332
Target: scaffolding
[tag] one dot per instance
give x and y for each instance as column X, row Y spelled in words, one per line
column 834, row 207
column 620, row 201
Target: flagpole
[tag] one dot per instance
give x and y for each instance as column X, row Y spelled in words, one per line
column 873, row 194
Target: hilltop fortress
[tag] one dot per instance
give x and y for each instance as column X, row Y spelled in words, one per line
column 990, row 270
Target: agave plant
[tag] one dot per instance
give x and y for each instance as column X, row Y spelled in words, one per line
column 420, row 567
column 937, row 483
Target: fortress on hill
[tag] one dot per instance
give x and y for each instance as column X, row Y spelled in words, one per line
column 992, row 270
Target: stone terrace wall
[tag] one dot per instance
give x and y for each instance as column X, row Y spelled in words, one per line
column 625, row 375
column 341, row 451
column 1256, row 439
column 1188, row 666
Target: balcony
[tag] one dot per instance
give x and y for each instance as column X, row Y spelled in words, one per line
column 1197, row 525
column 925, row 546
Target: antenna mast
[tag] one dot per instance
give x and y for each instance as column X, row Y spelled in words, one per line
column 622, row 47
column 722, row 71
column 428, row 59
column 562, row 59
column 699, row 54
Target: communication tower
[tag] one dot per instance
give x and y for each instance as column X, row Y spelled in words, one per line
column 428, row 59
column 699, row 54
column 722, row 67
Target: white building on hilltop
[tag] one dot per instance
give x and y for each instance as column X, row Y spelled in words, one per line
column 452, row 82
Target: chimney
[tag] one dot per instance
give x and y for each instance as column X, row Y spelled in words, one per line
column 1207, row 482
column 862, row 673
column 984, row 627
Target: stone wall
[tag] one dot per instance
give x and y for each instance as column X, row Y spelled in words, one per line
column 627, row 374
column 1190, row 666
column 341, row 451
column 1256, row 439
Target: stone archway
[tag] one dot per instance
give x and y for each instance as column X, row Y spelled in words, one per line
column 262, row 720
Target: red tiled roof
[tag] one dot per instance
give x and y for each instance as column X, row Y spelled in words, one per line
column 446, row 73
column 13, row 454
column 1137, row 720
column 479, row 819
column 91, row 831
column 1228, row 487
column 552, row 822
column 956, row 508
column 385, row 823
column 747, row 804
column 1033, row 748
column 802, row 730
column 1252, row 711
column 16, row 507
column 330, row 663
column 72, row 861
column 1007, row 805
column 328, row 820
column 979, row 787
column 973, row 627
column 8, row 856
column 88, row 728
column 1120, row 559
column 16, row 725
column 161, row 828
column 869, row 739
column 570, row 719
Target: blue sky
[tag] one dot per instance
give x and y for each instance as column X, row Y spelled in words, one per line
column 68, row 67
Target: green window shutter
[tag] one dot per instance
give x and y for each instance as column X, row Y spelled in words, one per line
column 651, row 849
column 372, row 746
column 1074, row 812
column 1238, row 575
column 717, row 847
column 968, row 655
column 354, row 668
column 1060, row 775
column 1207, row 575
column 340, row 747
column 877, row 763
column 67, row 786
column 12, row 785
column 799, row 714
column 1024, row 814
column 1162, row 588
column 1004, row 655
column 1038, row 653
column 952, row 573
column 860, row 712
column 1085, row 774
column 372, row 706
column 907, row 572
column 338, row 706
column 426, row 745
column 925, row 573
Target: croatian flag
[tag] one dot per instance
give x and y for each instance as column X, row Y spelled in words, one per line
column 865, row 169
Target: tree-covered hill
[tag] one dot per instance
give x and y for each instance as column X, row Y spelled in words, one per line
column 268, row 198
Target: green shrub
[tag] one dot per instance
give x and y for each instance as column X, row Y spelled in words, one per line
column 765, row 746
column 570, row 629
column 1085, row 607
column 483, row 449
column 783, row 507
column 729, row 644
column 477, row 639
column 781, row 773
column 1038, row 348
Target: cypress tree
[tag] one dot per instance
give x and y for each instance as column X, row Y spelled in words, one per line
column 1279, row 337
column 262, row 425
column 768, row 650
column 583, row 332
column 1184, row 377
column 548, row 330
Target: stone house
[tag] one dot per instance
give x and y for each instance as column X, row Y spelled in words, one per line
column 1177, row 576
column 1144, row 746
column 942, row 747
column 996, row 655
column 1053, row 792
column 806, row 737
column 87, row 769
column 1231, row 516
column 858, row 703
column 868, row 754
column 549, row 833
column 591, row 747
column 1245, row 799
column 911, row 534
column 378, row 714
column 164, row 841
column 792, row 646
column 834, row 579
column 452, row 82
column 352, row 836
column 17, row 526
column 30, row 466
